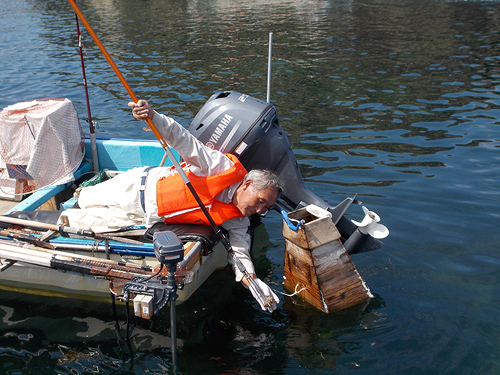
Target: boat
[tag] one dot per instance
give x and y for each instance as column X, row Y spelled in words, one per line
column 83, row 265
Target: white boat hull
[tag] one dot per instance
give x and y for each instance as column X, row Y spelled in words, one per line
column 36, row 279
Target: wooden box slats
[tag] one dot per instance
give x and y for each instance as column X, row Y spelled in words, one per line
column 316, row 260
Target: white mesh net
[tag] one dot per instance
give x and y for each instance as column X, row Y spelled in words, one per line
column 41, row 144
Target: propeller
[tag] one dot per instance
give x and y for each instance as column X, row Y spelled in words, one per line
column 370, row 225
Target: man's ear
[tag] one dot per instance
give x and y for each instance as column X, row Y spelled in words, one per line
column 247, row 184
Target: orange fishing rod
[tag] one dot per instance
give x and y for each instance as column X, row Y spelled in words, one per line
column 178, row 167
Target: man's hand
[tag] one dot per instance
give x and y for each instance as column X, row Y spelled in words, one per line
column 141, row 110
column 270, row 301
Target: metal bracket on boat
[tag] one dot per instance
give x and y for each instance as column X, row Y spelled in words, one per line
column 160, row 289
column 159, row 292
column 155, row 291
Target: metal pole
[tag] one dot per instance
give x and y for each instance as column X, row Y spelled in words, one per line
column 93, row 143
column 172, row 285
column 269, row 67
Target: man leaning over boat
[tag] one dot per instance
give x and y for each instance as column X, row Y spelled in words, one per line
column 145, row 196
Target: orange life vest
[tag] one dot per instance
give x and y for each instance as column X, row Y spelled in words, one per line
column 173, row 196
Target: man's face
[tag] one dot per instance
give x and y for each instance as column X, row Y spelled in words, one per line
column 251, row 201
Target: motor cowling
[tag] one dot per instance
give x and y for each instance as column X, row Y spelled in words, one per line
column 249, row 128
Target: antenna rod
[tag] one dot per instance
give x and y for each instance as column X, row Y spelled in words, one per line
column 269, row 67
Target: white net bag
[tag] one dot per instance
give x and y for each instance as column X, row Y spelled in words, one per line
column 41, row 144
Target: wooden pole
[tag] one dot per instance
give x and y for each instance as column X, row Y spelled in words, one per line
column 26, row 238
column 65, row 229
column 80, row 263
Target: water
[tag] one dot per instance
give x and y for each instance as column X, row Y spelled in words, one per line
column 397, row 101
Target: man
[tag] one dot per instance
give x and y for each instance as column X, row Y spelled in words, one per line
column 144, row 196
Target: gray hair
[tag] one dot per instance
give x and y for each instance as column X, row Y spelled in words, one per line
column 263, row 179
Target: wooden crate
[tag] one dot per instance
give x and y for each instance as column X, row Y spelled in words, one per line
column 316, row 260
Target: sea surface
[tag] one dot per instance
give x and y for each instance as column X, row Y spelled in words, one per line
column 395, row 101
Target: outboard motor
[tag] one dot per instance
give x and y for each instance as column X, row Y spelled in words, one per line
column 249, row 128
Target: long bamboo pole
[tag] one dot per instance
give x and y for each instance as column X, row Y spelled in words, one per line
column 26, row 238
column 66, row 230
column 47, row 258
column 49, row 253
column 12, row 253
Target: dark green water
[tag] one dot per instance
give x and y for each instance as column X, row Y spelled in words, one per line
column 397, row 101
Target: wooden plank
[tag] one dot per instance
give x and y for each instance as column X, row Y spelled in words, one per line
column 350, row 298
column 313, row 233
column 299, row 273
column 299, row 263
column 194, row 258
column 307, row 292
column 339, row 278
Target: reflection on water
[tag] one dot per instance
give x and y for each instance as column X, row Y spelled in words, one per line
column 397, row 102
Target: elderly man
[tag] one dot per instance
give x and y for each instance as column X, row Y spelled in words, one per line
column 144, row 196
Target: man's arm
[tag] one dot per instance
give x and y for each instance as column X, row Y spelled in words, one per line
column 205, row 160
column 240, row 243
